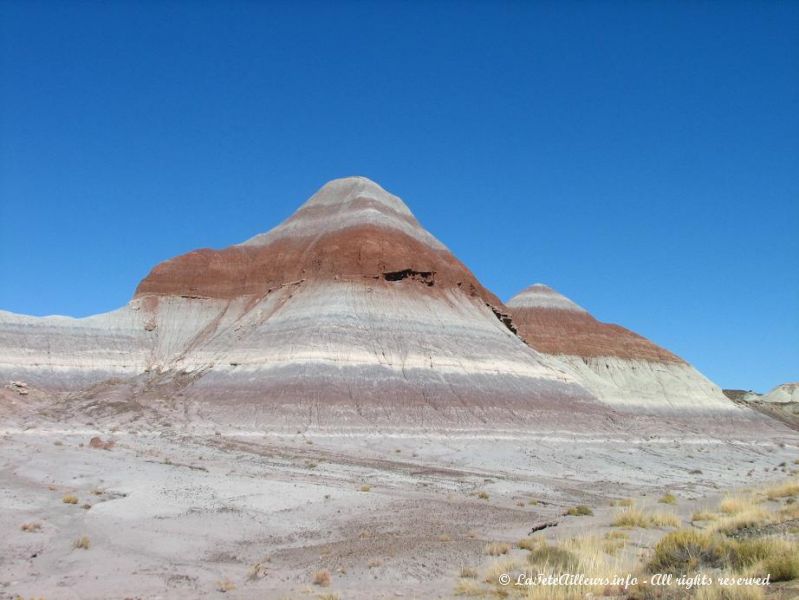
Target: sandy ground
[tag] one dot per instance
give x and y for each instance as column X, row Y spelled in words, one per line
column 173, row 516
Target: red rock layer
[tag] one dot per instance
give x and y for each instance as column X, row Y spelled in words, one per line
column 577, row 333
column 364, row 251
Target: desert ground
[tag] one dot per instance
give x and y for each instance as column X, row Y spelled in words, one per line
column 170, row 513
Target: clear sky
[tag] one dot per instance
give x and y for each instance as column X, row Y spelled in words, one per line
column 640, row 157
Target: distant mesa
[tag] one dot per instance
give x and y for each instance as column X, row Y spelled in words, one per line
column 782, row 394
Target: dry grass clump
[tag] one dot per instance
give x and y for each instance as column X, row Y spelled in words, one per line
column 469, row 587
column 783, row 567
column 754, row 516
column 664, row 519
column 729, row 592
column 365, row 487
column 482, row 495
column 688, row 549
column 546, row 556
column 704, row 515
column 328, row 597
column 668, row 498
column 529, row 543
column 81, row 543
column 497, row 549
column 585, row 555
column 31, row 527
column 498, row 567
column 786, row 490
column 733, row 505
column 626, row 502
column 374, row 563
column 69, row 499
column 580, row 510
column 225, row 585
column 321, row 578
column 633, row 517
column 468, row 572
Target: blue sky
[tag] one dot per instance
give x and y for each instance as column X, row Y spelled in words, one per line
column 640, row 157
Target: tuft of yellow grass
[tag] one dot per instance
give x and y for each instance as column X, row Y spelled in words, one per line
column 704, row 515
column 732, row 505
column 664, row 519
column 498, row 567
column 581, row 510
column 668, row 498
column 81, row 543
column 469, row 587
column 225, row 585
column 586, row 555
column 626, row 502
column 633, row 517
column 752, row 517
column 321, row 578
column 497, row 548
column 788, row 489
column 729, row 592
column 365, row 487
column 482, row 495
column 31, row 527
column 468, row 572
column 69, row 499
column 530, row 543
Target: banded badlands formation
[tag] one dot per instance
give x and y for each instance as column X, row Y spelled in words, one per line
column 349, row 315
column 620, row 367
column 339, row 409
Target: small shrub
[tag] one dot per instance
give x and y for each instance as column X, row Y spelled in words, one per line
column 687, row 549
column 31, row 527
column 69, row 499
column 365, row 487
column 482, row 495
column 225, row 585
column 374, row 563
column 321, row 578
column 82, row 543
column 579, row 511
column 668, row 499
column 497, row 549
